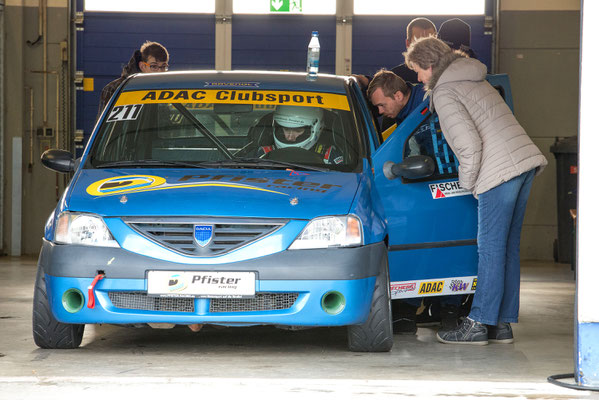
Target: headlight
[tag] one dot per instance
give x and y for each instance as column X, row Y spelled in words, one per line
column 83, row 229
column 325, row 232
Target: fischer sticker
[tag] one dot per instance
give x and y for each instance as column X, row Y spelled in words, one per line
column 234, row 96
column 447, row 189
column 402, row 287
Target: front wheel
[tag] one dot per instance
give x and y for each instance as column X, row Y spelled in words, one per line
column 376, row 334
column 48, row 332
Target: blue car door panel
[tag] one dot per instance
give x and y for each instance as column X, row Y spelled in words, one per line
column 432, row 222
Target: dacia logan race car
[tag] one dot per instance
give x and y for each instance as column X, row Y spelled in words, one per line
column 245, row 198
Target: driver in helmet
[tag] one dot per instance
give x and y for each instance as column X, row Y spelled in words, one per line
column 295, row 126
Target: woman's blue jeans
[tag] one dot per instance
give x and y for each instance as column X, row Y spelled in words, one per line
column 500, row 217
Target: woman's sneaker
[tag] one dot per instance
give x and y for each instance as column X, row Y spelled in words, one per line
column 468, row 332
column 500, row 333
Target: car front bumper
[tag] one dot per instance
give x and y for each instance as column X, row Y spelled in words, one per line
column 291, row 287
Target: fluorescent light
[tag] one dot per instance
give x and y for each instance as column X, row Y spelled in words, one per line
column 416, row 8
column 141, row 6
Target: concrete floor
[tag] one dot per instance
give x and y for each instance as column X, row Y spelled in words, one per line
column 273, row 363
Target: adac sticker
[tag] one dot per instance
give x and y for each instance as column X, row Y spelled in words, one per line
column 146, row 183
column 235, row 96
column 447, row 189
column 433, row 287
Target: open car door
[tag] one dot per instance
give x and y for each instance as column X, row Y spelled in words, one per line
column 432, row 221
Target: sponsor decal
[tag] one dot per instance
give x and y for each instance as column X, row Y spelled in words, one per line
column 148, row 183
column 277, row 183
column 425, row 288
column 122, row 184
column 447, row 189
column 402, row 287
column 432, row 287
column 234, row 96
column 176, row 283
column 202, row 234
column 458, row 285
column 215, row 284
column 232, row 84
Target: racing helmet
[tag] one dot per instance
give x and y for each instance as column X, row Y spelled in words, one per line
column 310, row 118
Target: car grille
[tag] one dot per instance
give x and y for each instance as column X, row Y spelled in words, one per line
column 178, row 233
column 260, row 302
column 141, row 301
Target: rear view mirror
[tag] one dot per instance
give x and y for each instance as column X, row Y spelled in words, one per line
column 58, row 160
column 415, row 167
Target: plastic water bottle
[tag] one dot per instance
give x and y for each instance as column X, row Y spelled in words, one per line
column 313, row 56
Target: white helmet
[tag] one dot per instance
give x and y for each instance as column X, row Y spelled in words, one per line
column 297, row 117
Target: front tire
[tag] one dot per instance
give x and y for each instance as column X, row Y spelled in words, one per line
column 376, row 334
column 48, row 332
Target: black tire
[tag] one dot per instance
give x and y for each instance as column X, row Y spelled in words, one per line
column 48, row 333
column 376, row 334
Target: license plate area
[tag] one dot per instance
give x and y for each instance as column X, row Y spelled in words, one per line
column 201, row 284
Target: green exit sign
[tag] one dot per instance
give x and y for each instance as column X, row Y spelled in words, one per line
column 286, row 6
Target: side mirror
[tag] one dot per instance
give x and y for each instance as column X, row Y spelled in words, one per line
column 414, row 167
column 58, row 160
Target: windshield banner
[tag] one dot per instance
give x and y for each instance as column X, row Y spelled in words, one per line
column 230, row 96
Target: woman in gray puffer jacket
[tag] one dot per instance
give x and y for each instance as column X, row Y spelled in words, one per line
column 497, row 164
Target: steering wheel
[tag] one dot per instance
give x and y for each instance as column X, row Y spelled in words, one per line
column 294, row 154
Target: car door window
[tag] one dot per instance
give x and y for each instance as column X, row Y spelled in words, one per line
column 427, row 139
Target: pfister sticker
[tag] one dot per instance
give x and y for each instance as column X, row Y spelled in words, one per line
column 447, row 189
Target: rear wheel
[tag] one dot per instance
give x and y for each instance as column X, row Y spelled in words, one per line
column 376, row 334
column 49, row 333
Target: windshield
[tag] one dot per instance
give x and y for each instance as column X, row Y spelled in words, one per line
column 228, row 129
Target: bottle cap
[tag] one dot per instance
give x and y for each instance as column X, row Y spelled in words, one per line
column 314, row 33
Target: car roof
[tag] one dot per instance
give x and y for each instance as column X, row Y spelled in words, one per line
column 237, row 80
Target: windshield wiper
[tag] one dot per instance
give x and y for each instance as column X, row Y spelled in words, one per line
column 189, row 116
column 146, row 163
column 241, row 162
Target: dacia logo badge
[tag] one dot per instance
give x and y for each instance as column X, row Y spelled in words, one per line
column 202, row 234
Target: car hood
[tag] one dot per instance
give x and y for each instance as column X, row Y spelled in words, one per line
column 211, row 192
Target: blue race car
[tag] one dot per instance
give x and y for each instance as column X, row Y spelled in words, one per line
column 241, row 199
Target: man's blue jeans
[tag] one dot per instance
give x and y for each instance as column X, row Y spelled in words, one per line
column 500, row 216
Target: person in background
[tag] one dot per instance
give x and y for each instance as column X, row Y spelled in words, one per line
column 395, row 99
column 498, row 162
column 417, row 28
column 151, row 57
column 456, row 34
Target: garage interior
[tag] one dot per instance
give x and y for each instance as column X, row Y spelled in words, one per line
column 56, row 57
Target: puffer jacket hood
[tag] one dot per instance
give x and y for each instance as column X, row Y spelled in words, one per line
column 453, row 67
